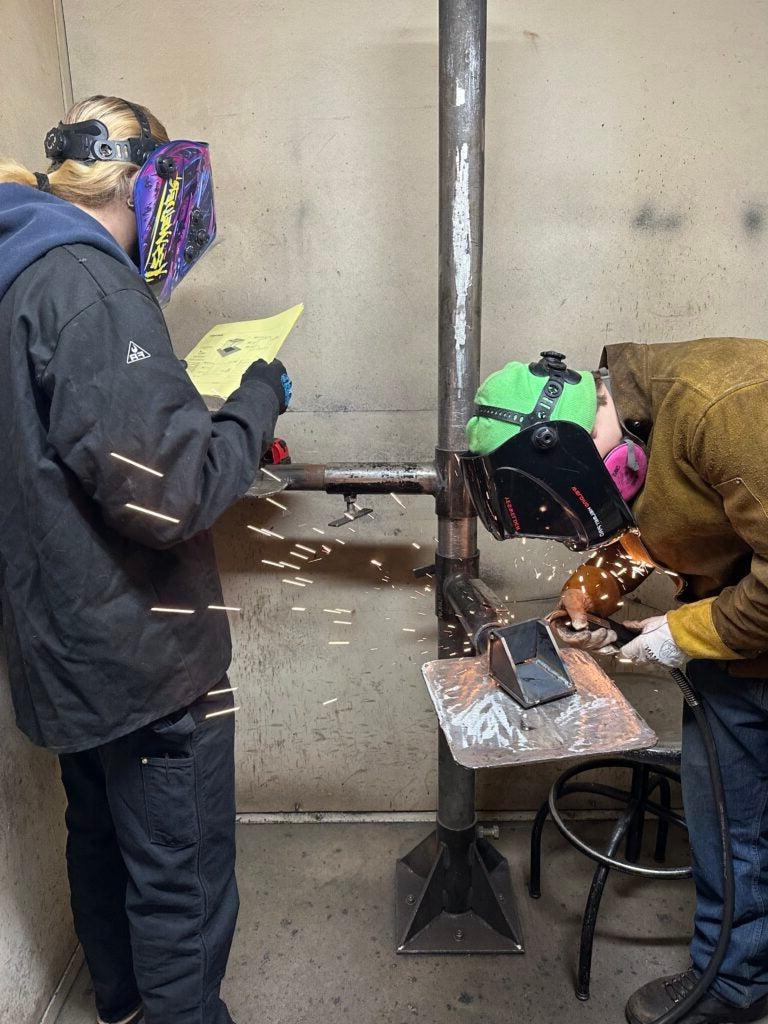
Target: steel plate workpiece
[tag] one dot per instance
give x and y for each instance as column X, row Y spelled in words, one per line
column 486, row 728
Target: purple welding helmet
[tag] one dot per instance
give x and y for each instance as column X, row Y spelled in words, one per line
column 172, row 192
column 173, row 197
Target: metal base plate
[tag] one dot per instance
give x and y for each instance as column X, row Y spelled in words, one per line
column 486, row 728
column 423, row 926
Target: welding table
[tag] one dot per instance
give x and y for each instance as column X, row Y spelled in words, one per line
column 486, row 728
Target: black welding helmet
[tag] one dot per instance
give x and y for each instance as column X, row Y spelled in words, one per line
column 548, row 481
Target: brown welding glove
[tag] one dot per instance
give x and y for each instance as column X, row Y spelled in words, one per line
column 599, row 638
column 589, row 589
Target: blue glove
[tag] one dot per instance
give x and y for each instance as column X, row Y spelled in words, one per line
column 275, row 375
column 287, row 383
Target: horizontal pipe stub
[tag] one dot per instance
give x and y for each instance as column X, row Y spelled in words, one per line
column 358, row 477
column 447, row 569
column 477, row 607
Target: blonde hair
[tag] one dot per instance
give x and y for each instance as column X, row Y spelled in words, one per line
column 99, row 182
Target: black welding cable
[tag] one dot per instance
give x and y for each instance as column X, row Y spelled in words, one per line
column 726, row 924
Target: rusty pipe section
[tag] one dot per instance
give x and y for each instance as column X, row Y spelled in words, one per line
column 359, row 477
column 476, row 606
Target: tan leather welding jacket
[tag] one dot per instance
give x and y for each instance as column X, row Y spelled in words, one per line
column 703, row 512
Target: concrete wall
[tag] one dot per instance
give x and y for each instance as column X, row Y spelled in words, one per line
column 36, row 937
column 626, row 200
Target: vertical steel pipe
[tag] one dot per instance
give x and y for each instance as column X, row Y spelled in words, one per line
column 465, row 901
column 462, row 154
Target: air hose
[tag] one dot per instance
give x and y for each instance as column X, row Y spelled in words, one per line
column 688, row 1002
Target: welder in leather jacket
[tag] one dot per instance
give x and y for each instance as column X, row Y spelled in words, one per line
column 693, row 412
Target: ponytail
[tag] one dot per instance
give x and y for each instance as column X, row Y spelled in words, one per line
column 16, row 173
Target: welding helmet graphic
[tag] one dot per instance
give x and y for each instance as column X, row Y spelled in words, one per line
column 172, row 193
column 549, row 481
column 175, row 217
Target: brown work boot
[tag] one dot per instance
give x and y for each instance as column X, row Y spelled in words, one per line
column 658, row 997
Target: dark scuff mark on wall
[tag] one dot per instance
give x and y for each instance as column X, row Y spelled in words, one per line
column 532, row 37
column 648, row 218
column 753, row 218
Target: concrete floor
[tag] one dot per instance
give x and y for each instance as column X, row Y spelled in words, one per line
column 315, row 938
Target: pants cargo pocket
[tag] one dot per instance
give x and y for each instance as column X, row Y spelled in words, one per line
column 171, row 800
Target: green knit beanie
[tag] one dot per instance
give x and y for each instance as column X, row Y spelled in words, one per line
column 515, row 387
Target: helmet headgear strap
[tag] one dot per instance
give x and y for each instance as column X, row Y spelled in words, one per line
column 552, row 366
column 89, row 141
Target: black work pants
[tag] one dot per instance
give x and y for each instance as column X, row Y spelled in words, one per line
column 151, row 859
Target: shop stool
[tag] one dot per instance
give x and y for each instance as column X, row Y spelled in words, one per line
column 651, row 770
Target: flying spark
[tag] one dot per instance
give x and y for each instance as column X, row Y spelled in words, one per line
column 277, row 504
column 226, row 711
column 298, row 608
column 294, row 583
column 138, row 465
column 318, row 530
column 265, row 532
column 400, row 503
column 174, row 611
column 266, row 472
column 331, row 701
column 223, row 608
column 338, row 643
column 149, row 512
column 226, row 689
column 303, row 547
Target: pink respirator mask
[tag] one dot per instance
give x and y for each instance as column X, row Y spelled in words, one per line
column 628, row 465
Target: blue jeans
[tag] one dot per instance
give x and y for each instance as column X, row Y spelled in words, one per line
column 737, row 710
column 151, row 858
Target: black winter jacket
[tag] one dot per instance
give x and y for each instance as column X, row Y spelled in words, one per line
column 87, row 372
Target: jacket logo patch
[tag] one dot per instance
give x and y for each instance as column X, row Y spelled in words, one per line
column 136, row 353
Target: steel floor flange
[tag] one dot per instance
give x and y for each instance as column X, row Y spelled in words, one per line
column 491, row 925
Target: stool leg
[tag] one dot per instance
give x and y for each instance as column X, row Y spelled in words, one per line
column 589, row 921
column 637, row 824
column 534, row 885
column 662, row 829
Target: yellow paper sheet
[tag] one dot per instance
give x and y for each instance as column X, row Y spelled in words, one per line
column 218, row 360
